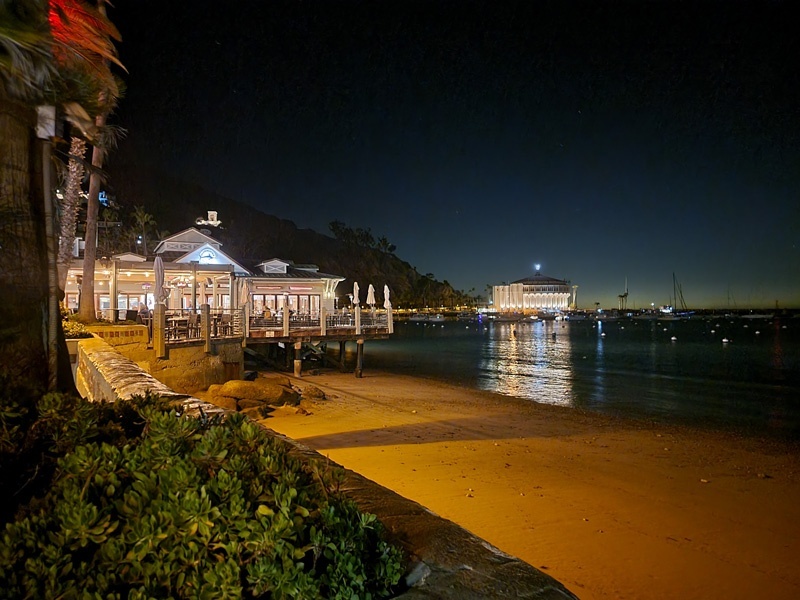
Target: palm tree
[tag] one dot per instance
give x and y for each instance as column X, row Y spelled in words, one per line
column 107, row 93
column 49, row 53
column 143, row 220
column 70, row 206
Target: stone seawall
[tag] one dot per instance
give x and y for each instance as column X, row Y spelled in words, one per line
column 102, row 374
column 187, row 366
column 445, row 561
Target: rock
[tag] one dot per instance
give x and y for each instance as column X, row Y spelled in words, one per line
column 260, row 390
column 418, row 574
column 253, row 413
column 258, row 412
column 223, row 402
column 276, row 380
column 246, row 403
column 313, row 393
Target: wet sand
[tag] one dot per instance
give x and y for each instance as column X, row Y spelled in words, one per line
column 611, row 508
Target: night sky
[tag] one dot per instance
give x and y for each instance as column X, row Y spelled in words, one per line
column 604, row 140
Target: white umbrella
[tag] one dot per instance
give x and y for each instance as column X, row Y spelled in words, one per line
column 160, row 293
column 355, row 293
column 371, row 295
column 244, row 294
column 386, row 304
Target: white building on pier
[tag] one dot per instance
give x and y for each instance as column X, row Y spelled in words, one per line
column 532, row 295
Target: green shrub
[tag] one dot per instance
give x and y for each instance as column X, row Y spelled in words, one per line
column 75, row 329
column 143, row 503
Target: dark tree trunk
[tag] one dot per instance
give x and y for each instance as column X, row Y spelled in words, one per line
column 23, row 264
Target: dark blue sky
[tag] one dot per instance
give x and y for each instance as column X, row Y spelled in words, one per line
column 603, row 140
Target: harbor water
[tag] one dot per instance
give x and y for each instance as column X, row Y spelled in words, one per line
column 721, row 373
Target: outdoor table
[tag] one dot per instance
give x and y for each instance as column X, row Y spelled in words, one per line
column 176, row 325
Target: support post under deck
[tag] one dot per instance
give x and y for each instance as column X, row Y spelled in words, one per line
column 298, row 359
column 359, row 357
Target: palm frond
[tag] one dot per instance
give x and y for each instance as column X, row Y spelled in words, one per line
column 26, row 61
column 83, row 42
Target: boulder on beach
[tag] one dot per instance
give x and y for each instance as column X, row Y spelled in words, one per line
column 311, row 392
column 261, row 389
column 222, row 401
column 258, row 412
column 244, row 403
column 275, row 379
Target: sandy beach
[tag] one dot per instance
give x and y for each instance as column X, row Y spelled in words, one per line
column 609, row 507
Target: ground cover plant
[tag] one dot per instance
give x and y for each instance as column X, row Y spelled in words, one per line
column 74, row 327
column 133, row 500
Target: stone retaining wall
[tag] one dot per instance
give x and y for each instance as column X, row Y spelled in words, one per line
column 187, row 366
column 446, row 561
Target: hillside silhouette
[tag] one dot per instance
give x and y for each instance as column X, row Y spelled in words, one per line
column 252, row 236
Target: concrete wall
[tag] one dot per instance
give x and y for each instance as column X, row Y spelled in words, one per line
column 187, row 367
column 445, row 560
column 103, row 374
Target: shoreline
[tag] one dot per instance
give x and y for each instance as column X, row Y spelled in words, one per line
column 611, row 508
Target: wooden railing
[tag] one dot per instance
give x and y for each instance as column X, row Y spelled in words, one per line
column 170, row 327
column 357, row 321
column 176, row 326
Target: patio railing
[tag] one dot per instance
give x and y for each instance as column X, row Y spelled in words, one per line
column 175, row 326
column 357, row 321
column 170, row 327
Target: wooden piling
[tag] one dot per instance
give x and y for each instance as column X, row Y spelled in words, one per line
column 298, row 359
column 359, row 357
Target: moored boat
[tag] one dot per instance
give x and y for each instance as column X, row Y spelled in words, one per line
column 508, row 318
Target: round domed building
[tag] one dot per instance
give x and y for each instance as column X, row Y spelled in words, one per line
column 532, row 295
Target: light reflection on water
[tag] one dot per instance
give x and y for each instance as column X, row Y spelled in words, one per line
column 636, row 369
column 528, row 361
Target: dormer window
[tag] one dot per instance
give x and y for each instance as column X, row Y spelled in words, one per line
column 274, row 266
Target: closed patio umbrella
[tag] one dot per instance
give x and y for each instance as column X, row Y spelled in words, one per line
column 356, row 301
column 160, row 293
column 244, row 294
column 386, row 304
column 371, row 295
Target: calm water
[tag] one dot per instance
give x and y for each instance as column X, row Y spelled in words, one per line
column 629, row 368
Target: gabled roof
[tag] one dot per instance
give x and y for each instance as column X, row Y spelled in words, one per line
column 130, row 256
column 192, row 245
column 186, row 238
column 280, row 268
column 211, row 255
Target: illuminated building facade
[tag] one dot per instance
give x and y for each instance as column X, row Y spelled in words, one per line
column 532, row 295
column 198, row 272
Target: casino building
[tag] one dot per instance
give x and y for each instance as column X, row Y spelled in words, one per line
column 532, row 295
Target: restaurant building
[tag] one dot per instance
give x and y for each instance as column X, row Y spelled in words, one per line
column 197, row 272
